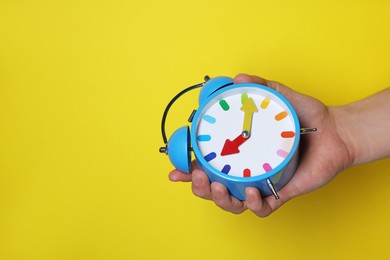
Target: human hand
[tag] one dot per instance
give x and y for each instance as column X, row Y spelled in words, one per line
column 323, row 155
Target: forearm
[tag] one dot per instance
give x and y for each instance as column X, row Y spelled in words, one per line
column 364, row 126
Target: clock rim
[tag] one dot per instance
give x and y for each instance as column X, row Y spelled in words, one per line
column 270, row 174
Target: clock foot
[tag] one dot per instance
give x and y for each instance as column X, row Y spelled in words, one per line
column 308, row 130
column 272, row 188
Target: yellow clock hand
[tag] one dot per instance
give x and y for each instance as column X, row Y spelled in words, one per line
column 249, row 108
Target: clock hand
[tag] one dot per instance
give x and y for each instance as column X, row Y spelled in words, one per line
column 249, row 108
column 231, row 147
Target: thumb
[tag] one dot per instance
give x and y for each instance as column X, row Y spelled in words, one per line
column 287, row 92
column 299, row 101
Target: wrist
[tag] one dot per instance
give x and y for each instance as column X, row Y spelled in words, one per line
column 364, row 126
column 344, row 123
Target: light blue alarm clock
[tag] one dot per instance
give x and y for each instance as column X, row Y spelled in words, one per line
column 242, row 135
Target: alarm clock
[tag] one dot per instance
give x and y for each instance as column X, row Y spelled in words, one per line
column 242, row 135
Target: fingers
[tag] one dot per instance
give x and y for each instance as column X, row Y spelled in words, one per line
column 256, row 204
column 282, row 89
column 261, row 207
column 200, row 182
column 201, row 185
column 225, row 201
column 177, row 175
column 244, row 78
column 217, row 192
column 305, row 106
column 202, row 188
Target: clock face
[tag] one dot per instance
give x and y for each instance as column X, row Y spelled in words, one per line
column 246, row 131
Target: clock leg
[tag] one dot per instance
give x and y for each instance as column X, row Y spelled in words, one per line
column 308, row 130
column 272, row 188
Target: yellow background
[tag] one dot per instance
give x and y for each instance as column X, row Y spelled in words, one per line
column 83, row 85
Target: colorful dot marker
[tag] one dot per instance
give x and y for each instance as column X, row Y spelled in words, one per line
column 209, row 119
column 204, row 138
column 225, row 106
column 287, row 134
column 226, row 169
column 244, row 98
column 282, row 153
column 210, row 156
column 264, row 104
column 247, row 173
column 281, row 115
column 267, row 167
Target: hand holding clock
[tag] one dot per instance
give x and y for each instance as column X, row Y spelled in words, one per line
column 337, row 132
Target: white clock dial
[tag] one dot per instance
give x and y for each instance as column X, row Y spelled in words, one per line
column 225, row 121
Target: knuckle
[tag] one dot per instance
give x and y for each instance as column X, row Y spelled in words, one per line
column 259, row 210
column 255, row 207
column 238, row 210
column 197, row 191
column 221, row 202
column 201, row 192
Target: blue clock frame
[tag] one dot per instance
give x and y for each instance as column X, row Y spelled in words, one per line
column 183, row 141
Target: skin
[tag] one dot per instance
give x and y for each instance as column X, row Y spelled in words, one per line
column 340, row 130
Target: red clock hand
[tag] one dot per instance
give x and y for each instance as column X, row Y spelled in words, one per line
column 231, row 147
